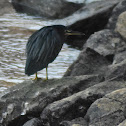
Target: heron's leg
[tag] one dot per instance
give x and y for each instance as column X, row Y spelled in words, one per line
column 46, row 73
column 36, row 78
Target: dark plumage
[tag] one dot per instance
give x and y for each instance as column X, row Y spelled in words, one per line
column 43, row 47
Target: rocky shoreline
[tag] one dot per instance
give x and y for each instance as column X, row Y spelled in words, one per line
column 93, row 89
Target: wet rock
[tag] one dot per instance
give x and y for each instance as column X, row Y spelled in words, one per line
column 121, row 7
column 75, row 122
column 121, row 25
column 77, row 104
column 29, row 98
column 46, row 8
column 109, row 110
column 33, row 122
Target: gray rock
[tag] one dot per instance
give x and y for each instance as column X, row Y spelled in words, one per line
column 33, row 122
column 123, row 123
column 119, row 57
column 30, row 98
column 121, row 7
column 109, row 110
column 116, row 71
column 75, row 122
column 46, row 8
column 5, row 7
column 88, row 62
column 121, row 25
column 90, row 15
column 89, row 19
column 98, row 54
column 106, row 42
column 77, row 105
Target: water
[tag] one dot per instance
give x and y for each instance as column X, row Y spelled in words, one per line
column 15, row 30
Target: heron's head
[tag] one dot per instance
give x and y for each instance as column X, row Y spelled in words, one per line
column 70, row 32
column 66, row 31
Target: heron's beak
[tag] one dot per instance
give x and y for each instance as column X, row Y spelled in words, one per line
column 69, row 32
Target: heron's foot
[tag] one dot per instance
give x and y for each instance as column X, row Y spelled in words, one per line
column 37, row 78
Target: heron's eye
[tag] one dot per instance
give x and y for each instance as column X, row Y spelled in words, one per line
column 68, row 31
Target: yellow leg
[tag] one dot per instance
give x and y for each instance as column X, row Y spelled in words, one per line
column 46, row 74
column 36, row 78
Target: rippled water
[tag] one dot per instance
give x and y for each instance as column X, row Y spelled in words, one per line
column 15, row 30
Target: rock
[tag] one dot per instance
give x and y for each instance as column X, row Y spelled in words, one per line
column 30, row 97
column 75, row 122
column 121, row 7
column 119, row 57
column 109, row 110
column 98, row 54
column 88, row 62
column 77, row 104
column 5, row 7
column 33, row 122
column 46, row 8
column 121, row 25
column 61, row 101
column 116, row 71
column 123, row 123
column 106, row 43
column 89, row 19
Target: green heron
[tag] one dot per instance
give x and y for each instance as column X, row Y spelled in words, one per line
column 43, row 46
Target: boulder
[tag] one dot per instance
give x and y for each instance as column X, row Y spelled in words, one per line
column 28, row 99
column 109, row 110
column 119, row 57
column 116, row 71
column 88, row 62
column 77, row 104
column 5, row 7
column 99, row 55
column 121, row 7
column 46, row 8
column 106, row 42
column 89, row 19
column 121, row 25
column 33, row 122
column 75, row 122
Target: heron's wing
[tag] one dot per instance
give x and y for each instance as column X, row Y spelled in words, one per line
column 42, row 48
column 51, row 47
column 34, row 43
